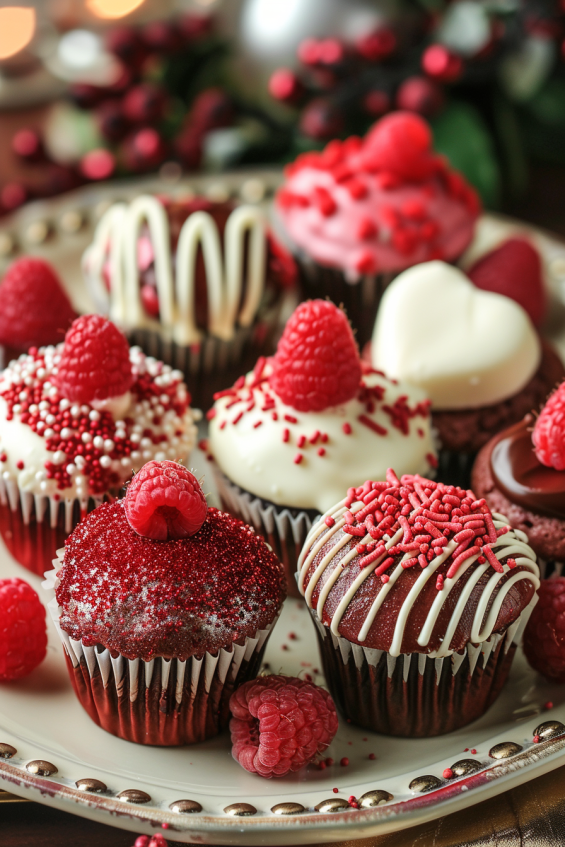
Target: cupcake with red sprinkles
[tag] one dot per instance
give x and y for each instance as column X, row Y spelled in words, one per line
column 362, row 210
column 420, row 595
column 75, row 420
column 288, row 436
column 164, row 607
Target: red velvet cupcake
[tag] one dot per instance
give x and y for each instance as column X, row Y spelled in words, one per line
column 196, row 283
column 419, row 594
column 164, row 608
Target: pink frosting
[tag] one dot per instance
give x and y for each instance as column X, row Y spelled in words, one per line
column 379, row 204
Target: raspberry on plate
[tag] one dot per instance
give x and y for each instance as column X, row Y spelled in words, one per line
column 164, row 501
column 280, row 724
column 95, row 363
column 317, row 361
column 549, row 431
column 34, row 308
column 23, row 634
column 544, row 637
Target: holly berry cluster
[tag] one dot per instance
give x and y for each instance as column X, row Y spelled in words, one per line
column 159, row 108
column 341, row 86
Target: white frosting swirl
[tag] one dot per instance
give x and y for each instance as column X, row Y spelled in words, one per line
column 253, row 453
column 466, row 348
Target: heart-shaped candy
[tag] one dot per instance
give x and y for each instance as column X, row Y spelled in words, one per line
column 465, row 347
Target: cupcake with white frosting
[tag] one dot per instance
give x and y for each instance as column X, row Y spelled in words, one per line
column 290, row 435
column 475, row 353
column 75, row 421
column 195, row 283
column 420, row 595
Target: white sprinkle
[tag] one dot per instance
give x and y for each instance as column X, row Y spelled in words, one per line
column 59, row 457
column 49, row 433
column 86, row 437
column 105, row 461
column 98, row 442
column 75, row 411
column 94, row 415
column 71, row 469
column 109, row 445
column 50, row 420
column 66, row 432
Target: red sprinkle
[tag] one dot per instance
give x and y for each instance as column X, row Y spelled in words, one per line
column 344, row 762
column 548, row 705
column 321, row 451
column 448, row 773
column 285, row 435
column 474, row 752
column 346, row 428
column 536, row 739
column 372, row 757
column 298, row 458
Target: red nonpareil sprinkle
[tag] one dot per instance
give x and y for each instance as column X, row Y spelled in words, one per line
column 536, row 739
column 448, row 773
column 335, row 790
column 344, row 762
column 329, row 761
column 20, row 465
column 547, row 706
column 3, row 457
column 321, row 451
column 292, row 636
column 371, row 757
column 285, row 435
column 511, row 563
column 321, row 765
column 298, row 458
column 325, row 438
column 346, row 428
column 329, row 521
column 352, row 800
column 474, row 752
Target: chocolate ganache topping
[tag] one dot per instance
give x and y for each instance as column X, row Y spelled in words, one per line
column 520, row 475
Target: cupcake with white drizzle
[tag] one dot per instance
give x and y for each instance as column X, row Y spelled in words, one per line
column 420, row 595
column 75, row 421
column 193, row 282
column 289, row 436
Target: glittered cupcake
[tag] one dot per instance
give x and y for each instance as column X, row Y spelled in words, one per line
column 164, row 608
column 195, row 283
column 289, row 435
column 475, row 353
column 362, row 210
column 521, row 471
column 75, row 421
column 419, row 594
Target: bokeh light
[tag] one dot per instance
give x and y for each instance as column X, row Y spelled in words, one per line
column 17, row 28
column 113, row 8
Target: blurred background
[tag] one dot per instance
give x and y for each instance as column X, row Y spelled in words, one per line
column 98, row 89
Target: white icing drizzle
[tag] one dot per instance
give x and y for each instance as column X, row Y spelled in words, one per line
column 115, row 242
column 513, row 543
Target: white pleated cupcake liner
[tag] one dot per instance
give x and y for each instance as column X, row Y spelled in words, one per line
column 177, row 687
column 284, row 529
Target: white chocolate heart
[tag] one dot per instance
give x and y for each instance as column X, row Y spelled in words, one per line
column 466, row 348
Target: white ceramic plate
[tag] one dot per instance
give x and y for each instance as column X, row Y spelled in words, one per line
column 43, row 722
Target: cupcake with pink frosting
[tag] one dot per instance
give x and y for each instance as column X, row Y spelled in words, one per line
column 363, row 210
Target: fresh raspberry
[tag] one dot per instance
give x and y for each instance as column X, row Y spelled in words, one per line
column 23, row 634
column 317, row 361
column 401, row 143
column 549, row 432
column 164, row 501
column 279, row 724
column 95, row 363
column 34, row 309
column 544, row 637
column 515, row 270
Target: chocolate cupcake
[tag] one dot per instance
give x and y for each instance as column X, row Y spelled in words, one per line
column 164, row 608
column 363, row 210
column 288, row 436
column 194, row 283
column 521, row 471
column 75, row 421
column 419, row 595
column 475, row 353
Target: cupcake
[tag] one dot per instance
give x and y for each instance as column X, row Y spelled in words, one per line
column 164, row 608
column 75, row 421
column 288, row 436
column 419, row 595
column 197, row 284
column 362, row 210
column 475, row 353
column 521, row 471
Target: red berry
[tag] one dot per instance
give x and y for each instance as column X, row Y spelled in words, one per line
column 515, row 270
column 162, row 36
column 317, row 362
column 144, row 103
column 34, row 308
column 376, row 102
column 440, row 63
column 544, row 638
column 98, row 164
column 376, row 45
column 111, row 120
column 401, row 143
column 188, row 147
column 23, row 634
column 549, row 431
column 321, row 119
column 13, row 195
column 164, row 501
column 196, row 26
column 285, row 85
column 418, row 94
column 280, row 724
column 212, row 109
column 95, row 363
column 27, row 144
column 144, row 150
column 124, row 42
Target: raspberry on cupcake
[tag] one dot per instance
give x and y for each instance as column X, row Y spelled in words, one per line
column 521, row 472
column 363, row 210
column 164, row 607
column 75, row 421
column 419, row 594
column 288, row 436
column 475, row 353
column 197, row 283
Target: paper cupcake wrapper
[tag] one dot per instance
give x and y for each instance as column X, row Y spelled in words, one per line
column 164, row 702
column 283, row 528
column 414, row 695
column 34, row 526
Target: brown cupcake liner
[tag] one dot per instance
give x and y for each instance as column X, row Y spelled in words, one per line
column 33, row 527
column 414, row 695
column 164, row 702
column 283, row 528
column 454, row 468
